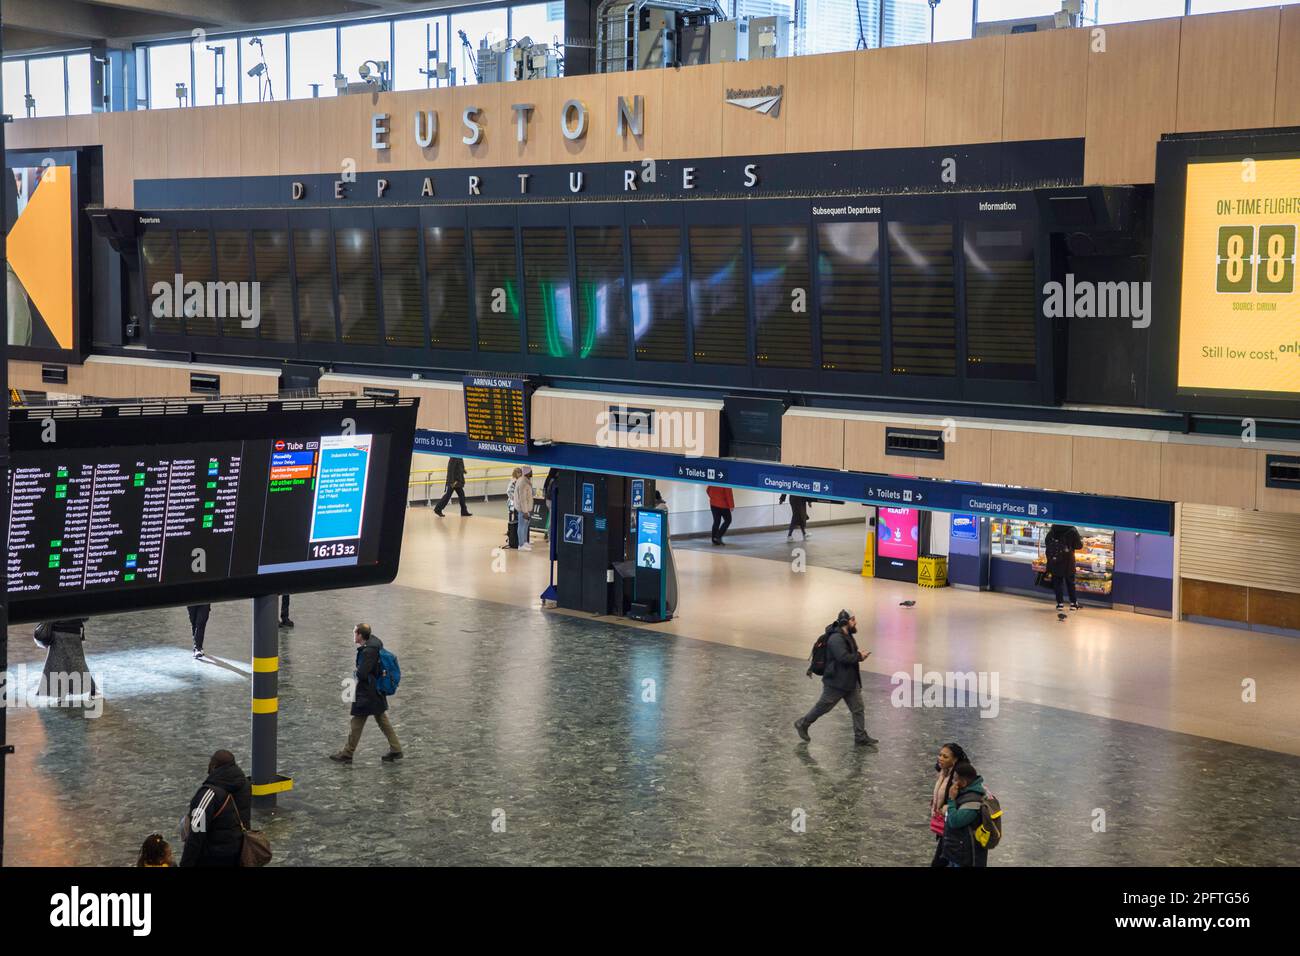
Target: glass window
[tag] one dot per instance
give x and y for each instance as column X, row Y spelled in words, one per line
column 921, row 299
column 602, row 308
column 1121, row 11
column 909, row 21
column 543, row 22
column 782, row 280
column 1001, row 301
column 271, row 262
column 1216, row 6
column 718, row 295
column 158, row 263
column 477, row 27
column 826, row 26
column 196, row 266
column 235, row 264
column 78, row 84
column 216, row 66
column 365, row 41
column 413, row 41
column 496, row 290
column 169, row 64
column 1016, row 9
column 354, row 253
column 444, row 269
column 311, row 254
column 267, row 83
column 658, row 293
column 45, row 74
column 848, row 272
column 313, row 58
column 548, row 295
column 15, row 81
column 399, row 261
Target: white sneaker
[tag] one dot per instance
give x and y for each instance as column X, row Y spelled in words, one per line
column 525, row 547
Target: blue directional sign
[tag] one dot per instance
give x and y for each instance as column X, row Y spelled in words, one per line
column 588, row 498
column 573, row 529
column 1093, row 511
column 638, row 493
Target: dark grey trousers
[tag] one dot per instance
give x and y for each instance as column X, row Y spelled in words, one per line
column 832, row 696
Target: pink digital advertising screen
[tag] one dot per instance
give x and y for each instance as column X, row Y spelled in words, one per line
column 897, row 530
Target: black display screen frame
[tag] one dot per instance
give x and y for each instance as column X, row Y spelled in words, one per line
column 110, row 427
column 1174, row 154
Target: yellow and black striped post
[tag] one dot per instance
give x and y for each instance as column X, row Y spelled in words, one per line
column 266, row 702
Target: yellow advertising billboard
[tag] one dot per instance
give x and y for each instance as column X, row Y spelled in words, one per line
column 1240, row 317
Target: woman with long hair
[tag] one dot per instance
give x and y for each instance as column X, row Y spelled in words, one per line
column 949, row 756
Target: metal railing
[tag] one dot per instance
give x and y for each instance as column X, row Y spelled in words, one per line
column 422, row 484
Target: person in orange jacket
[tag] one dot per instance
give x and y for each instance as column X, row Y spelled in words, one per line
column 721, row 501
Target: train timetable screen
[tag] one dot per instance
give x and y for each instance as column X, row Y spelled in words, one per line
column 215, row 516
column 1239, row 329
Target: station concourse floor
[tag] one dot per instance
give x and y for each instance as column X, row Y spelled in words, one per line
column 540, row 719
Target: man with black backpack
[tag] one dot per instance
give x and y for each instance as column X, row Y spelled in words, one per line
column 375, row 680
column 213, row 827
column 836, row 658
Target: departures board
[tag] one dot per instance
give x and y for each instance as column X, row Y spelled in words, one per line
column 125, row 511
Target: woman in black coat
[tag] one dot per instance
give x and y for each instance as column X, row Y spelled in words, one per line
column 798, row 515
column 1061, row 543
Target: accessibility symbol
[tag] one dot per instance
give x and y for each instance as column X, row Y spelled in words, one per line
column 573, row 529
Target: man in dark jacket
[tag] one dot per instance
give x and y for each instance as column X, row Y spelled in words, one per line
column 455, row 485
column 199, row 626
column 367, row 701
column 1060, row 544
column 214, row 834
column 841, row 680
column 960, row 848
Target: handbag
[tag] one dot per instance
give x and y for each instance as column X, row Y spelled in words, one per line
column 255, row 850
column 1043, row 579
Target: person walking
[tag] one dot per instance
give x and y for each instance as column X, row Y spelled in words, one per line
column 962, row 816
column 721, row 503
column 284, row 611
column 214, row 833
column 367, row 700
column 455, row 485
column 66, row 673
column 198, row 626
column 798, row 516
column 1061, row 543
column 523, row 499
column 842, row 680
column 949, row 756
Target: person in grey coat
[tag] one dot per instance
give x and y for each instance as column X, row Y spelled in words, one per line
column 841, row 680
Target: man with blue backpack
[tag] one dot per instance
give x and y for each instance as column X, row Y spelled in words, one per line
column 377, row 675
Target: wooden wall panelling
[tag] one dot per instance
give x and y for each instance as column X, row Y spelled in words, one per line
column 818, row 104
column 83, row 130
column 1280, row 500
column 260, row 139
column 45, row 132
column 590, row 91
column 151, row 129
column 456, row 414
column 889, row 97
column 1045, row 88
column 864, row 448
column 539, row 417
column 691, row 115
column 222, row 134
column 1273, row 608
column 1208, row 475
column 812, row 441
column 748, row 132
column 1226, row 602
column 115, row 130
column 543, row 127
column 298, row 126
column 963, row 91
column 966, row 459
column 184, row 144
column 1030, row 460
column 1132, row 100
column 649, row 85
column 1227, row 70
column 495, row 118
column 1286, row 104
column 1115, row 466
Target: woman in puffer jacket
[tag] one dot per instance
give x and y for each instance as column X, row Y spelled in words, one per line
column 949, row 756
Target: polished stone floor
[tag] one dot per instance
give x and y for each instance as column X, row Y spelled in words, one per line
column 541, row 722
